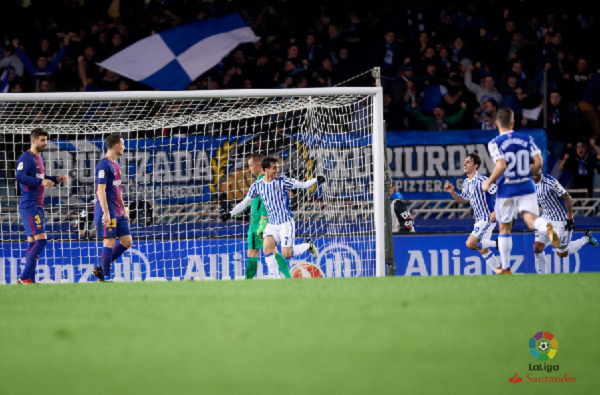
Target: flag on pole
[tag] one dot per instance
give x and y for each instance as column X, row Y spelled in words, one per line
column 5, row 79
column 171, row 60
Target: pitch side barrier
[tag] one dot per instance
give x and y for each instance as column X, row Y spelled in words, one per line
column 445, row 254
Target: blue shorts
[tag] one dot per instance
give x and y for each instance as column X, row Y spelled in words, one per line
column 34, row 220
column 117, row 227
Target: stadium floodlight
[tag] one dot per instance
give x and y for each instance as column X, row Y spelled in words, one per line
column 185, row 164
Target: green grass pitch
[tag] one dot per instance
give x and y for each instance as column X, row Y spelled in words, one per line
column 442, row 335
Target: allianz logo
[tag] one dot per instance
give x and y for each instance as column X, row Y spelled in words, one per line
column 456, row 262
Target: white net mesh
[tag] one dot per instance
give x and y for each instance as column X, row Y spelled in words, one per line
column 184, row 164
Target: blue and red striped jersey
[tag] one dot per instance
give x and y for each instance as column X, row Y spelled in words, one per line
column 109, row 173
column 30, row 173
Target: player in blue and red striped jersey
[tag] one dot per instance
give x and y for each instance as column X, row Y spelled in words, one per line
column 33, row 180
column 110, row 216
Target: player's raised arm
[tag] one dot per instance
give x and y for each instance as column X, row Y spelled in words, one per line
column 450, row 189
column 295, row 184
column 241, row 206
column 499, row 166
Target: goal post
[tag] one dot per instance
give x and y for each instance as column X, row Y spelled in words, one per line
column 184, row 165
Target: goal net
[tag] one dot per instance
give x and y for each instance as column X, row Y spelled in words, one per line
column 185, row 163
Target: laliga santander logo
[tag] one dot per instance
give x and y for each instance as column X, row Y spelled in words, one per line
column 515, row 379
column 543, row 346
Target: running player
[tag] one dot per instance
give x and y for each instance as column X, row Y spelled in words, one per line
column 33, row 180
column 549, row 193
column 273, row 189
column 110, row 216
column 512, row 152
column 483, row 205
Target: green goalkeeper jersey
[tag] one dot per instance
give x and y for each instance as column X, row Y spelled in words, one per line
column 258, row 208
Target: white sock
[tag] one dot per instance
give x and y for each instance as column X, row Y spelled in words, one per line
column 574, row 246
column 541, row 225
column 272, row 265
column 540, row 261
column 505, row 247
column 300, row 249
column 488, row 243
column 490, row 260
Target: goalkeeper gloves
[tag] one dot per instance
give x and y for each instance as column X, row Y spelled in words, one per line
column 261, row 227
column 320, row 179
column 225, row 217
column 570, row 225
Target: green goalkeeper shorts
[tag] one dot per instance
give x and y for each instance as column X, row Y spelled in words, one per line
column 254, row 242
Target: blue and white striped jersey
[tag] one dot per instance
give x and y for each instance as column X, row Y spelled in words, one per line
column 548, row 192
column 481, row 201
column 275, row 197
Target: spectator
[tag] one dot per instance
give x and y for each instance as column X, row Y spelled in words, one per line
column 512, row 96
column 485, row 91
column 389, row 57
column 559, row 125
column 41, row 70
column 311, row 54
column 590, row 105
column 435, row 93
column 439, row 121
column 392, row 114
column 402, row 220
column 488, row 115
column 576, row 81
column 11, row 57
column 581, row 165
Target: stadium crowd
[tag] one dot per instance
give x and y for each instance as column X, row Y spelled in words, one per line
column 443, row 64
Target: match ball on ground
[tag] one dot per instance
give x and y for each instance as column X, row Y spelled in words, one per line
column 306, row 270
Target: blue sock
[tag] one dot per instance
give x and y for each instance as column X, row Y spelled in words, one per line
column 29, row 247
column 118, row 251
column 106, row 259
column 32, row 258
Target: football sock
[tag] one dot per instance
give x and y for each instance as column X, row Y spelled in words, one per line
column 490, row 260
column 540, row 224
column 251, row 268
column 505, row 247
column 483, row 244
column 283, row 265
column 272, row 265
column 300, row 249
column 32, row 258
column 118, row 251
column 540, row 261
column 29, row 247
column 574, row 246
column 106, row 259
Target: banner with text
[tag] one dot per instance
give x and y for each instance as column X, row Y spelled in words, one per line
column 442, row 255
column 421, row 162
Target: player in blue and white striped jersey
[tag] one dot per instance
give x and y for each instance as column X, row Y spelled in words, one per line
column 483, row 205
column 274, row 190
column 549, row 194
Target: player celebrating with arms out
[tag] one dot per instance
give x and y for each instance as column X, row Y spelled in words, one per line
column 273, row 189
column 483, row 205
column 33, row 180
column 549, row 193
column 110, row 215
column 512, row 152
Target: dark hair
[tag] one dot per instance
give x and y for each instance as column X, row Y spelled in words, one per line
column 37, row 133
column 504, row 117
column 494, row 102
column 511, row 74
column 476, row 158
column 256, row 157
column 439, row 106
column 266, row 163
column 113, row 140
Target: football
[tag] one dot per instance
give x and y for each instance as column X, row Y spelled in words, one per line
column 306, row 270
column 543, row 346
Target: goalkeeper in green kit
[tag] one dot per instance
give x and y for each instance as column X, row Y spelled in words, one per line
column 258, row 220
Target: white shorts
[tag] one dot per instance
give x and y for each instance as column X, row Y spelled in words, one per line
column 508, row 209
column 483, row 230
column 564, row 235
column 284, row 233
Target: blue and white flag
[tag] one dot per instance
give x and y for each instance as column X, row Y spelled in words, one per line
column 4, row 79
column 171, row 60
